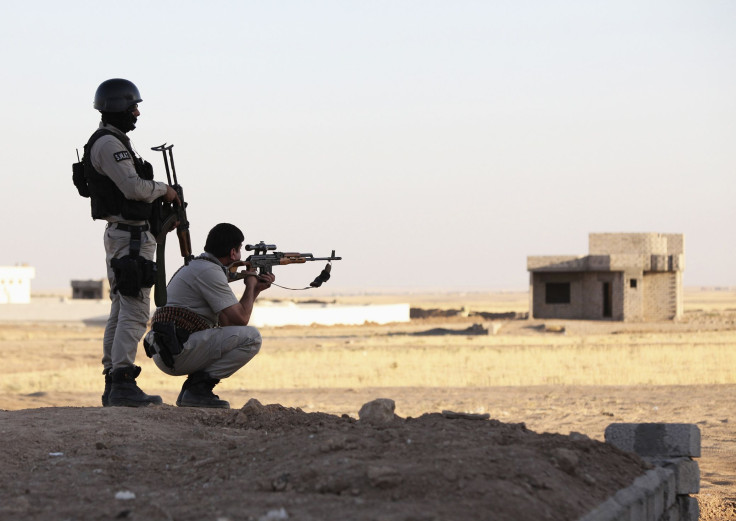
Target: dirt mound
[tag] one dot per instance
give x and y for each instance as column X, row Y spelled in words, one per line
column 275, row 462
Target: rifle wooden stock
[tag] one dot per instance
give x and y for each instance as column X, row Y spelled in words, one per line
column 185, row 243
column 182, row 231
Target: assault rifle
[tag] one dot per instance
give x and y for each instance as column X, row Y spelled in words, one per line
column 264, row 262
column 170, row 215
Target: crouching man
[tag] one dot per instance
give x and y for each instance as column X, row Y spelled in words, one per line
column 203, row 330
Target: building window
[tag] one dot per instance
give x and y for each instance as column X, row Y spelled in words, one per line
column 557, row 293
column 632, row 283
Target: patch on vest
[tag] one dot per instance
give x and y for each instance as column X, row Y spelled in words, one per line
column 120, row 156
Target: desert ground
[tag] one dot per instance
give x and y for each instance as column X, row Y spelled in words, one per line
column 504, row 425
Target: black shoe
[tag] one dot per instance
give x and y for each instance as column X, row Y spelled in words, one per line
column 125, row 393
column 197, row 392
column 106, row 392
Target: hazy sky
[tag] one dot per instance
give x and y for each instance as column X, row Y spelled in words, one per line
column 432, row 144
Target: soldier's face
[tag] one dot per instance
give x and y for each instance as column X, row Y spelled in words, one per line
column 235, row 254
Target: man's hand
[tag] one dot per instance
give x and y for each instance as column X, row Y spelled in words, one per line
column 171, row 195
column 258, row 282
column 264, row 281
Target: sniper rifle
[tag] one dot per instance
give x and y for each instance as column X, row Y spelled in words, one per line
column 264, row 262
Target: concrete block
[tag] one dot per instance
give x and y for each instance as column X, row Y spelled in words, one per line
column 689, row 508
column 633, row 502
column 649, row 486
column 687, row 473
column 609, row 510
column 666, row 440
column 668, row 485
column 673, row 514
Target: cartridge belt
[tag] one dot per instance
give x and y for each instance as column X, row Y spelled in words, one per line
column 182, row 318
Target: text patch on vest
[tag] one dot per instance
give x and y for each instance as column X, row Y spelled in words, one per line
column 120, row 156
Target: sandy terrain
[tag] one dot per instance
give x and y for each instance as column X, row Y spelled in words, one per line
column 298, row 450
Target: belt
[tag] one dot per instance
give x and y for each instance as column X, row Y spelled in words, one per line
column 130, row 227
column 135, row 235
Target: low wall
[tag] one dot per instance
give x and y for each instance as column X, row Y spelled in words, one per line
column 265, row 312
column 663, row 493
column 290, row 313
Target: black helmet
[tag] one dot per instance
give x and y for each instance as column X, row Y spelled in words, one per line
column 116, row 95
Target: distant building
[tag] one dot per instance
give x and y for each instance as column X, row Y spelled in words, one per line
column 91, row 289
column 15, row 284
column 626, row 276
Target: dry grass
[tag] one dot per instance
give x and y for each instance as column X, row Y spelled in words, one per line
column 389, row 356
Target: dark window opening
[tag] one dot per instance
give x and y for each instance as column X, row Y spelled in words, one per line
column 557, row 293
column 632, row 283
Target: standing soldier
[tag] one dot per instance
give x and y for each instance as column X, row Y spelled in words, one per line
column 122, row 191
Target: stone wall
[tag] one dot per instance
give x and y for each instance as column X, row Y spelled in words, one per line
column 662, row 296
column 645, row 243
column 663, row 493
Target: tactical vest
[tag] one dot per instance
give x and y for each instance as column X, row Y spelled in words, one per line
column 106, row 198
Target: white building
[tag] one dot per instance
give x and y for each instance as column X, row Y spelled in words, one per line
column 15, row 284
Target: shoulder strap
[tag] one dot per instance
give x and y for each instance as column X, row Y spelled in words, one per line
column 107, row 132
column 204, row 258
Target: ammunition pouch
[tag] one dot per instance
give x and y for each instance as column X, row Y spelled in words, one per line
column 79, row 180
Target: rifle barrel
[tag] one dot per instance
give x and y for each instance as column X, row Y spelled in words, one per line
column 173, row 169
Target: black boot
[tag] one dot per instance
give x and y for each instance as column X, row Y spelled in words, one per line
column 106, row 392
column 197, row 392
column 125, row 393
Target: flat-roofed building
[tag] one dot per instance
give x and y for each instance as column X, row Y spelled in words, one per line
column 91, row 289
column 15, row 284
column 625, row 276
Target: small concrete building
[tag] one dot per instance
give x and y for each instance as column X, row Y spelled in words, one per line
column 91, row 289
column 626, row 276
column 15, row 284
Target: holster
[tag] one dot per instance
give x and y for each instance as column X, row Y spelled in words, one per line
column 133, row 272
column 169, row 342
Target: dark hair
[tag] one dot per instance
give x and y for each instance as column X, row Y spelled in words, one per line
column 223, row 238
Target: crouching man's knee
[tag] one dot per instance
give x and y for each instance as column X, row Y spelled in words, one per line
column 252, row 340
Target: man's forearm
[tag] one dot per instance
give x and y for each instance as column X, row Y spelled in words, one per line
column 246, row 302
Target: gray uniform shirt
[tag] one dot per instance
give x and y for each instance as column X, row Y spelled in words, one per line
column 202, row 287
column 110, row 158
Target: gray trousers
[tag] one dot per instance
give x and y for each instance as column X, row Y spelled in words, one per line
column 219, row 351
column 128, row 315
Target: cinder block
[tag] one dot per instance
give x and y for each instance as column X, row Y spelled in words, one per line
column 689, row 508
column 687, row 473
column 668, row 485
column 666, row 440
column 609, row 510
column 633, row 503
column 673, row 514
column 650, row 487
